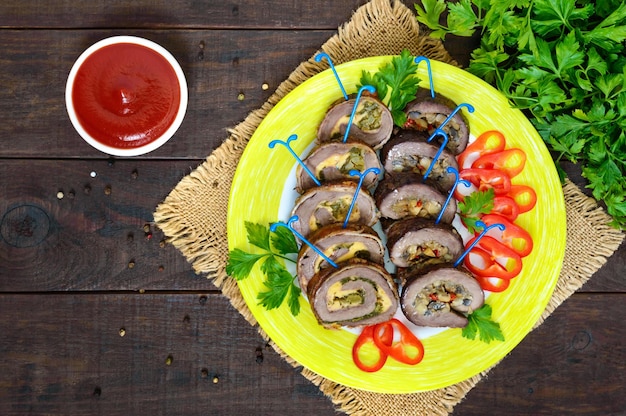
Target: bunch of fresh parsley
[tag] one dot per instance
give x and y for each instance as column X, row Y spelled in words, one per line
column 279, row 282
column 396, row 84
column 562, row 62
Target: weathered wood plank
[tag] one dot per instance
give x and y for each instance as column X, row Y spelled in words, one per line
column 62, row 229
column 219, row 66
column 285, row 14
column 64, row 354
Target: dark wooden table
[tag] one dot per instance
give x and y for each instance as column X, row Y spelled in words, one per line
column 100, row 316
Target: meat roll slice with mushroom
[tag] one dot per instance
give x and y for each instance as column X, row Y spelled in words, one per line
column 329, row 204
column 426, row 114
column 339, row 244
column 407, row 195
column 332, row 161
column 372, row 122
column 409, row 151
column 418, row 242
column 441, row 297
column 358, row 293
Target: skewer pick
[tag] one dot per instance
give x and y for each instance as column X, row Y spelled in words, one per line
column 323, row 55
column 287, row 144
column 362, row 176
column 371, row 90
column 301, row 237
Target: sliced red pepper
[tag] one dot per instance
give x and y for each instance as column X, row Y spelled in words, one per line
column 490, row 141
column 484, row 179
column 407, row 349
column 366, row 341
column 493, row 284
column 524, row 196
column 510, row 161
column 498, row 260
column 513, row 236
column 505, row 206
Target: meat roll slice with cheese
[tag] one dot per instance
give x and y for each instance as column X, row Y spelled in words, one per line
column 372, row 122
column 339, row 244
column 332, row 161
column 358, row 293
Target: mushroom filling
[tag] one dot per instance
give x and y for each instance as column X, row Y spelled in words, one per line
column 353, row 159
column 430, row 252
column 416, row 207
column 333, row 211
column 420, row 164
column 338, row 298
column 368, row 118
column 440, row 297
column 430, row 121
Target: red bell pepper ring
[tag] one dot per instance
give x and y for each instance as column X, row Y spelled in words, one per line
column 524, row 196
column 513, row 236
column 484, row 179
column 491, row 258
column 493, row 284
column 366, row 338
column 407, row 349
column 490, row 141
column 510, row 161
column 505, row 206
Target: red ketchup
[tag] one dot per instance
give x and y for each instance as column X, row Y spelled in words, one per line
column 126, row 95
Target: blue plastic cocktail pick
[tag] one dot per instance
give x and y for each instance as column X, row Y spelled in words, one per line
column 323, row 55
column 301, row 237
column 467, row 106
column 481, row 224
column 437, row 132
column 287, row 144
column 362, row 176
column 419, row 59
column 457, row 181
column 369, row 88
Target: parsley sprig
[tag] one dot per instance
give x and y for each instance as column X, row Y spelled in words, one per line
column 396, row 84
column 279, row 282
column 563, row 63
column 481, row 325
column 474, row 206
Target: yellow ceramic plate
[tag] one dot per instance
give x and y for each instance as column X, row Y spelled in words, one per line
column 263, row 179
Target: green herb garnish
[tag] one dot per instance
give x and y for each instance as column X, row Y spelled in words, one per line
column 396, row 84
column 474, row 206
column 563, row 63
column 481, row 324
column 279, row 282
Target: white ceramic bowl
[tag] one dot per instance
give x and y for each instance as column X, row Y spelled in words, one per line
column 127, row 150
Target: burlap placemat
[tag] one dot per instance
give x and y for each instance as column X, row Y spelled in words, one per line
column 193, row 216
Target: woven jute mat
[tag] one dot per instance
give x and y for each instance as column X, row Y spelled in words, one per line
column 193, row 216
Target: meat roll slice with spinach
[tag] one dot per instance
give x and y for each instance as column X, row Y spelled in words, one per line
column 409, row 151
column 332, row 161
column 339, row 244
column 442, row 296
column 372, row 123
column 407, row 195
column 418, row 242
column 426, row 114
column 358, row 293
column 329, row 204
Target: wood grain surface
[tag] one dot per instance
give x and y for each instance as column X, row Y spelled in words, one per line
column 100, row 316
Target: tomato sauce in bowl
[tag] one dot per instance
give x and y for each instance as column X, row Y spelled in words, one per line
column 126, row 95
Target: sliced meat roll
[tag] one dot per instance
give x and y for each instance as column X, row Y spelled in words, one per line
column 358, row 293
column 329, row 204
column 441, row 297
column 332, row 161
column 426, row 114
column 372, row 123
column 339, row 244
column 407, row 195
column 409, row 151
column 418, row 242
